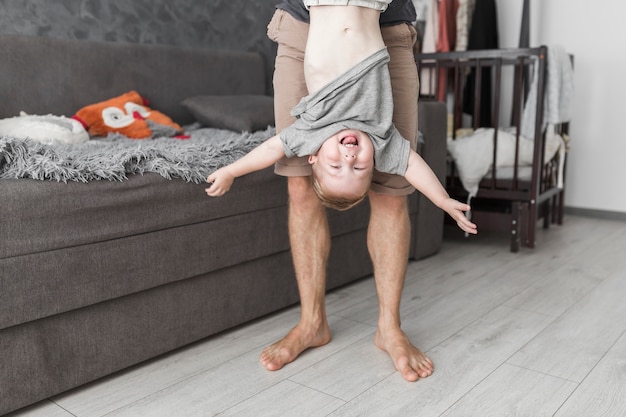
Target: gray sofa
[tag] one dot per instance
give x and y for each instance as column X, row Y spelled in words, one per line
column 99, row 276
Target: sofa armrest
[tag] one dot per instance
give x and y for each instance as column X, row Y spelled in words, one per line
column 427, row 232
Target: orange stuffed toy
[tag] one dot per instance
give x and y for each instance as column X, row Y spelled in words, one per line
column 127, row 114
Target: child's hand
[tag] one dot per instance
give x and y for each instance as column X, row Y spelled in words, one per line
column 456, row 210
column 220, row 180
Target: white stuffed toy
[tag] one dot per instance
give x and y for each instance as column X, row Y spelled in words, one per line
column 48, row 129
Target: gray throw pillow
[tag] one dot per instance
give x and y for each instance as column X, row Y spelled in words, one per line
column 238, row 113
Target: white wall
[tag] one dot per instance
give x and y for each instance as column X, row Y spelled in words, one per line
column 596, row 34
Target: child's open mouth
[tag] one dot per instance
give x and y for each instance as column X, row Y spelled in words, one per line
column 349, row 141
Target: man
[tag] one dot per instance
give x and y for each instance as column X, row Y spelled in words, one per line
column 308, row 227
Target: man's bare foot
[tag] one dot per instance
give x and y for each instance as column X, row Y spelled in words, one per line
column 299, row 339
column 409, row 360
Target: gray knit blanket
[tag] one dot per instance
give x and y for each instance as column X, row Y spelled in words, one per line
column 114, row 157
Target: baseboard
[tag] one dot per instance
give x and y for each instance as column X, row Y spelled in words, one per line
column 599, row 214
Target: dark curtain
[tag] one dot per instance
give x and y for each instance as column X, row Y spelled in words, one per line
column 483, row 34
column 524, row 34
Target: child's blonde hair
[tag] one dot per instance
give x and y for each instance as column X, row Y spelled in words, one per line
column 334, row 201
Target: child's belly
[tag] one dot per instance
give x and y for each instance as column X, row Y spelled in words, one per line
column 339, row 38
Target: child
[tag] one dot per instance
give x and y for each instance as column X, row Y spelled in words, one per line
column 344, row 124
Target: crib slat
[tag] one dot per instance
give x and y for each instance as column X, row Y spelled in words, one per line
column 496, row 118
column 518, row 80
column 457, row 99
column 477, row 96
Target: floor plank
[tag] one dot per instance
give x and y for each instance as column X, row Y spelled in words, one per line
column 355, row 378
column 513, row 391
column 42, row 409
column 557, row 291
column 603, row 392
column 285, row 399
column 578, row 339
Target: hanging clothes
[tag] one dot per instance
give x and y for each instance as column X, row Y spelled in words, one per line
column 439, row 36
column 483, row 34
column 463, row 22
column 429, row 45
column 446, row 36
column 558, row 95
column 446, row 39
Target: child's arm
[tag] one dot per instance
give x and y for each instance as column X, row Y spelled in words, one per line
column 263, row 156
column 423, row 178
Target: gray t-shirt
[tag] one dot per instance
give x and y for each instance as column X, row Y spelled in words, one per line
column 360, row 99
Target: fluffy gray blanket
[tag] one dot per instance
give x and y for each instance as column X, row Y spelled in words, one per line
column 114, row 157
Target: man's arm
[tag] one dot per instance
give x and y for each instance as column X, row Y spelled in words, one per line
column 423, row 178
column 263, row 156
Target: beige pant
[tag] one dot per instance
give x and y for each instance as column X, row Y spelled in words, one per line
column 289, row 87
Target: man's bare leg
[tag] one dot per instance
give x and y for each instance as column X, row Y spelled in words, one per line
column 389, row 252
column 310, row 245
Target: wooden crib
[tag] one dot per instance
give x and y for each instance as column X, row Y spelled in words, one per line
column 510, row 179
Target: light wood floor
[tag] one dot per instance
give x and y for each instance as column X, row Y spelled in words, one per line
column 538, row 333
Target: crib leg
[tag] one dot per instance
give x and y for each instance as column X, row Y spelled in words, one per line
column 515, row 226
column 547, row 210
column 531, row 225
column 557, row 209
column 560, row 207
column 524, row 224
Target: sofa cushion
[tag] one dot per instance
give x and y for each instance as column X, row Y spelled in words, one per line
column 246, row 112
column 39, row 216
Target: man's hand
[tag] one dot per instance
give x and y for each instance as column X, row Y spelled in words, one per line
column 220, row 181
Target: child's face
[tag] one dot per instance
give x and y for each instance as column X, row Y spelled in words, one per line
column 345, row 162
